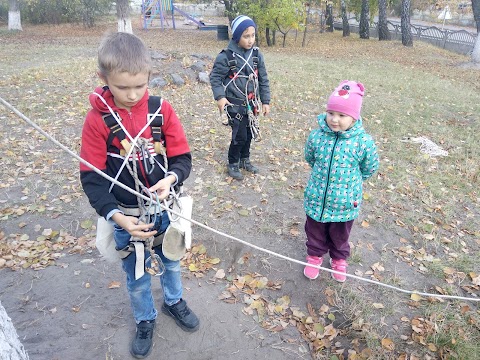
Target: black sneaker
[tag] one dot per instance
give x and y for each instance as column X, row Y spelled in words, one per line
column 247, row 165
column 142, row 344
column 184, row 317
column 234, row 171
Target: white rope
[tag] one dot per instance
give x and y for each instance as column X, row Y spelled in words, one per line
column 56, row 142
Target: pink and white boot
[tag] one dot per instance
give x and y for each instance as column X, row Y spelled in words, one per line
column 311, row 272
column 339, row 265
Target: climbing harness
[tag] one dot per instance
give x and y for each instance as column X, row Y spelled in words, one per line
column 190, row 220
column 249, row 100
column 139, row 153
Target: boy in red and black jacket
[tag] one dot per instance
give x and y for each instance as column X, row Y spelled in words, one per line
column 119, row 118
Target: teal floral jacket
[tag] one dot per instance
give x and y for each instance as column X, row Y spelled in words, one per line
column 340, row 162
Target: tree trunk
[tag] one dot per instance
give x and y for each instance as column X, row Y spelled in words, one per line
column 405, row 24
column 123, row 16
column 345, row 24
column 476, row 13
column 304, row 40
column 383, row 33
column 476, row 51
column 14, row 19
column 329, row 18
column 10, row 347
column 476, row 16
column 267, row 36
column 365, row 21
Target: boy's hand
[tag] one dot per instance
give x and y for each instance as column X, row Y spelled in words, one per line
column 133, row 226
column 266, row 109
column 221, row 103
column 163, row 187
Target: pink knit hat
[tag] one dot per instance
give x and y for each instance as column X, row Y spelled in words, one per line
column 347, row 98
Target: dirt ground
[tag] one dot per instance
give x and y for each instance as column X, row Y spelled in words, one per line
column 251, row 304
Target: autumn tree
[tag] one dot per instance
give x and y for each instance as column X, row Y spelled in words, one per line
column 383, row 33
column 364, row 25
column 405, row 24
column 286, row 15
column 476, row 47
column 14, row 20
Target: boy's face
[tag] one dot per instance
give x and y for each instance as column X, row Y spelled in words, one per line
column 247, row 40
column 338, row 121
column 127, row 89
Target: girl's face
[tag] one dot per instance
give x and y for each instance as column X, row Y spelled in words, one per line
column 338, row 121
column 247, row 40
column 127, row 89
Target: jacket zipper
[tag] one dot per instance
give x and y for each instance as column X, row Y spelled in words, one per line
column 328, row 177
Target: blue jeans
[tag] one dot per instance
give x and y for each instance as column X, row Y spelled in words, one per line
column 140, row 291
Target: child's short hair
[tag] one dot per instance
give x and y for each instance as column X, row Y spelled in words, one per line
column 123, row 52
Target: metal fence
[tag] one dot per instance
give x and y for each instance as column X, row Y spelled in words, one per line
column 459, row 41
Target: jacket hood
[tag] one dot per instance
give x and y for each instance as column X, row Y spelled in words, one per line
column 356, row 129
column 97, row 102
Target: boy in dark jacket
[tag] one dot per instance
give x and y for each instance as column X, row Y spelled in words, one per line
column 125, row 66
column 240, row 86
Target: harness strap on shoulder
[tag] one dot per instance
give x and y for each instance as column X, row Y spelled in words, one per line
column 154, row 102
column 115, row 128
column 232, row 62
column 255, row 58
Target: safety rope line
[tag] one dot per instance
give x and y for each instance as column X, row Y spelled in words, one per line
column 123, row 186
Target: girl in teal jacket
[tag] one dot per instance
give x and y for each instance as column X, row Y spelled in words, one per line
column 341, row 155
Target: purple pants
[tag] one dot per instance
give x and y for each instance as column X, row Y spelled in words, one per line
column 328, row 237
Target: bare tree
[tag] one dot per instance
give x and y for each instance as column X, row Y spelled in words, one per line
column 364, row 25
column 407, row 39
column 14, row 20
column 476, row 47
column 345, row 24
column 123, row 16
column 383, row 33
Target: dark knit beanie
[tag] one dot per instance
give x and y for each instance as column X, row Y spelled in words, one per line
column 239, row 25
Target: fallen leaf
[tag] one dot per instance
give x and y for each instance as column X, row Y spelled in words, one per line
column 388, row 344
column 114, row 285
column 220, row 274
column 416, row 297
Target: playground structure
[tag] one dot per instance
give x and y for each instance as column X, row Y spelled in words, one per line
column 155, row 12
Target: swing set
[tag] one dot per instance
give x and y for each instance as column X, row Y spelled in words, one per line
column 154, row 14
